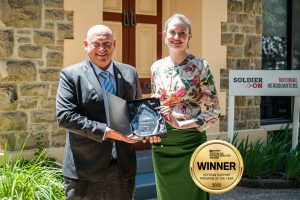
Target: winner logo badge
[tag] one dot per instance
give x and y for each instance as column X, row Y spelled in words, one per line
column 216, row 166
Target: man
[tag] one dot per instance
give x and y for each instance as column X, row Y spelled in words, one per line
column 99, row 163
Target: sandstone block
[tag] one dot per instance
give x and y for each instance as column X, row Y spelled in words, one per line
column 235, row 51
column 69, row 15
column 13, row 121
column 49, row 74
column 39, row 127
column 24, row 40
column 34, row 139
column 20, row 71
column 245, row 19
column 8, row 139
column 48, row 103
column 6, row 43
column 30, row 51
column 28, row 104
column 226, row 38
column 54, row 59
column 253, row 6
column 234, row 28
column 49, row 25
column 240, row 101
column 231, row 63
column 58, row 137
column 253, row 46
column 224, row 27
column 240, row 125
column 243, row 63
column 65, row 30
column 42, row 116
column 60, row 42
column 224, row 83
column 54, row 3
column 24, row 32
column 8, row 97
column 248, row 29
column 43, row 37
column 54, row 14
column 253, row 124
column 34, row 90
column 238, row 39
column 231, row 17
column 21, row 13
column 56, row 48
column 235, row 6
column 53, row 89
column 258, row 24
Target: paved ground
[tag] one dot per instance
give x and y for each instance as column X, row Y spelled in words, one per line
column 243, row 193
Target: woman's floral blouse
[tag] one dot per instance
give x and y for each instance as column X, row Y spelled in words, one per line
column 187, row 88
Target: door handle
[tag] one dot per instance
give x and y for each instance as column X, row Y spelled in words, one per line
column 133, row 19
column 125, row 18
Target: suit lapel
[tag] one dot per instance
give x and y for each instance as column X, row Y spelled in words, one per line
column 91, row 76
column 119, row 82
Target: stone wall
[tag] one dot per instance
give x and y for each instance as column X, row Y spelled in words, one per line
column 242, row 34
column 32, row 34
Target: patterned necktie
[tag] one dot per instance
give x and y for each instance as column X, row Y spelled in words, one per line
column 108, row 86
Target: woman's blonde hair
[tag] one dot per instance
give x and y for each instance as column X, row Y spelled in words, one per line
column 182, row 18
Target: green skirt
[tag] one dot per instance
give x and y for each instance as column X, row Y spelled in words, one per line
column 171, row 160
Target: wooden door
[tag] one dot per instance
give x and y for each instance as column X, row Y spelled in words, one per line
column 137, row 25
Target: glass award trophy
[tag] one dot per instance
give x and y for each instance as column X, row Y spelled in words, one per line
column 140, row 117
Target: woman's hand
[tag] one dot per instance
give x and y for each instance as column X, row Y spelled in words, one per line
column 168, row 117
column 152, row 139
column 173, row 122
column 166, row 112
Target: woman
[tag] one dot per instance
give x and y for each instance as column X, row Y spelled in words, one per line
column 190, row 105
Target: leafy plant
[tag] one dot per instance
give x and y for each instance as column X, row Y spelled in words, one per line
column 276, row 154
column 272, row 158
column 242, row 147
column 40, row 178
column 293, row 164
column 255, row 159
column 278, row 144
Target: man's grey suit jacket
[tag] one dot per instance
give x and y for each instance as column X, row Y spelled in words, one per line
column 80, row 109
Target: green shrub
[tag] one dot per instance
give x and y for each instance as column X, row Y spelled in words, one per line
column 242, row 146
column 256, row 159
column 275, row 154
column 272, row 158
column 292, row 171
column 40, row 178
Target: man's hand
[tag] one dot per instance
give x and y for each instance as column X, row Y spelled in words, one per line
column 116, row 135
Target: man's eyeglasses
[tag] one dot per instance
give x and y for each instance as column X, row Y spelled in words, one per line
column 104, row 45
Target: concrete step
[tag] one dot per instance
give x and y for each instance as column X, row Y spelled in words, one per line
column 145, row 179
column 145, row 186
column 144, row 161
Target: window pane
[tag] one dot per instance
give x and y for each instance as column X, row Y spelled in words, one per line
column 275, row 110
column 296, row 35
column 274, row 39
column 274, row 17
column 274, row 56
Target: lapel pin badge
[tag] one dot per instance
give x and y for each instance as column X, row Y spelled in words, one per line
column 119, row 75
